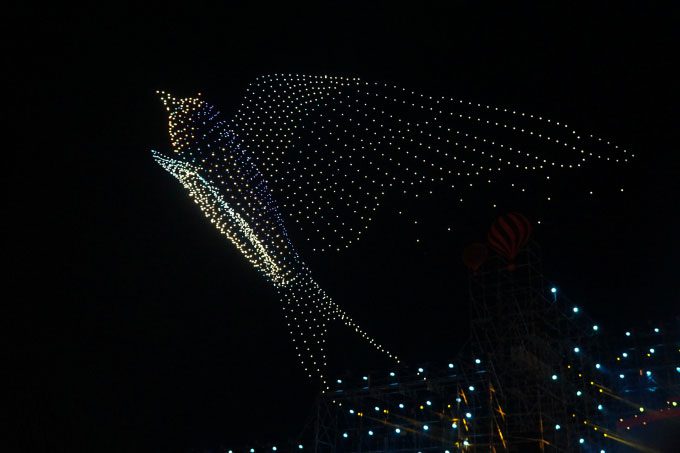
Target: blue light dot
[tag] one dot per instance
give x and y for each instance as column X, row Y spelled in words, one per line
column 345, row 435
column 425, row 427
column 596, row 328
column 471, row 388
column 628, row 334
column 554, row 377
column 274, row 448
column 428, row 402
column 365, row 378
column 454, row 425
column 557, row 427
column 625, row 354
column 420, row 370
column 581, row 440
column 577, row 349
column 478, row 361
column 376, row 408
column 339, row 381
column 649, row 373
column 579, row 393
column 450, row 365
column 401, row 405
column 397, row 430
column 599, row 407
column 300, row 446
column 621, row 376
column 468, row 415
column 370, row 433
column 651, row 350
column 575, row 309
column 553, row 290
column 597, row 365
column 656, row 330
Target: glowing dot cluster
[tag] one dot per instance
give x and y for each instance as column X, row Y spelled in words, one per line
column 332, row 147
column 223, row 180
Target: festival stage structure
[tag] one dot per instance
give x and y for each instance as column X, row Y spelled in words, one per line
column 537, row 375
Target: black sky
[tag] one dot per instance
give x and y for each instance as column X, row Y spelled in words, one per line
column 133, row 326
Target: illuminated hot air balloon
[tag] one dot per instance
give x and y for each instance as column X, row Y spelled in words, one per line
column 474, row 256
column 508, row 234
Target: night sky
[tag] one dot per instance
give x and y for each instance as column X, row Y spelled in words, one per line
column 134, row 326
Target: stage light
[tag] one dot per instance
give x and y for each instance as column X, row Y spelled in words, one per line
column 557, row 427
column 397, row 430
column 554, row 377
column 420, row 370
column 365, row 378
column 596, row 328
column 377, row 408
column 339, row 381
column 471, row 388
column 577, row 350
column 274, row 448
column 392, row 373
column 478, row 361
column 450, row 365
column 428, row 402
column 575, row 309
column 401, row 405
column 625, row 354
column 370, row 433
column 651, row 350
column 649, row 373
column 628, row 334
column 581, row 440
column 579, row 393
column 468, row 415
column 656, row 330
column 553, row 290
column 597, row 365
column 621, row 376
column 425, row 427
column 454, row 425
column 351, row 411
column 599, row 407
column 466, row 443
column 345, row 435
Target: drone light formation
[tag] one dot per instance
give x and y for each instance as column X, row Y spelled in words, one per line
column 329, row 149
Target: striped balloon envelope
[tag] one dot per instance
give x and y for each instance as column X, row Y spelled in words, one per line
column 508, row 234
